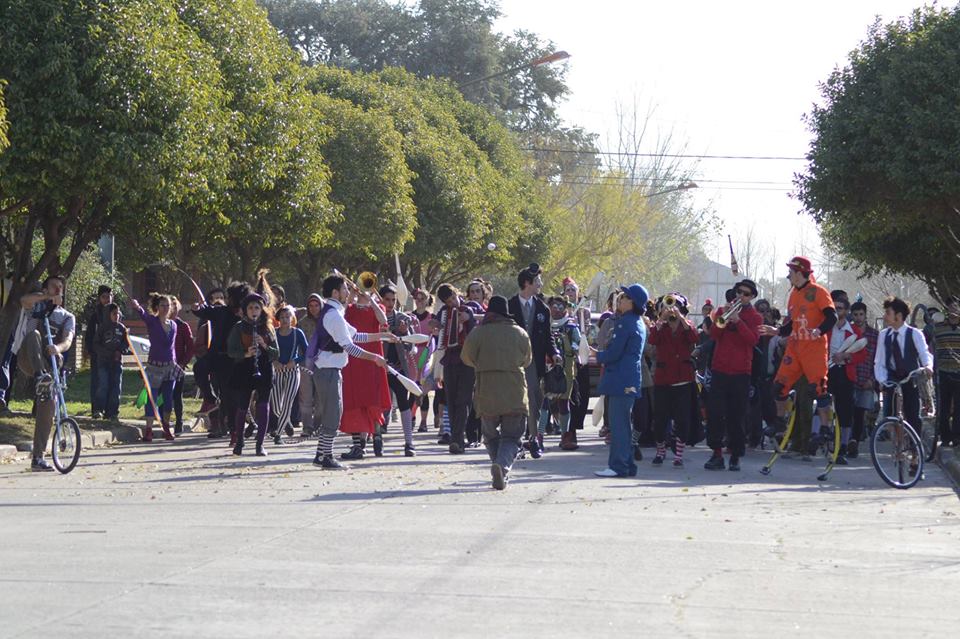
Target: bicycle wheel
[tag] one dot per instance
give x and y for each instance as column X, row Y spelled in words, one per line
column 897, row 453
column 66, row 445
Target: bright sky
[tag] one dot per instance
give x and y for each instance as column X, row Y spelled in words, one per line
column 729, row 78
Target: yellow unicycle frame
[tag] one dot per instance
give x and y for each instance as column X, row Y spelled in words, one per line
column 780, row 446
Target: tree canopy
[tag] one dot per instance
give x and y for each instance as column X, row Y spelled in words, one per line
column 452, row 39
column 883, row 178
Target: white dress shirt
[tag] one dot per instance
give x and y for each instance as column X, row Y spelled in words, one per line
column 341, row 332
column 880, row 361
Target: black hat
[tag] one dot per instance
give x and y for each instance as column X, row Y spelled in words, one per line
column 103, row 288
column 747, row 284
column 498, row 304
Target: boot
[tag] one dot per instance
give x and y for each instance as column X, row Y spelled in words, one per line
column 238, row 448
column 148, row 431
column 167, row 435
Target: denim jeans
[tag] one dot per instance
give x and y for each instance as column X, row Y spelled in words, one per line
column 502, row 435
column 109, row 381
column 621, row 446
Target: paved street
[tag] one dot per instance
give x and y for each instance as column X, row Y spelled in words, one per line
column 176, row 540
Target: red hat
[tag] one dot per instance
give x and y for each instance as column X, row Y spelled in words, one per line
column 801, row 264
column 568, row 281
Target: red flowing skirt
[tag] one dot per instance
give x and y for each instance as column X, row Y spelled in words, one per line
column 366, row 395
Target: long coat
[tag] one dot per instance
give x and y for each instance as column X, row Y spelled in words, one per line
column 499, row 351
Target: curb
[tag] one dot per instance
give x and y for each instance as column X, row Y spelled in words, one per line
column 8, row 452
column 949, row 461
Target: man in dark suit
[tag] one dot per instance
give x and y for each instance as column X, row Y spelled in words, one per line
column 532, row 315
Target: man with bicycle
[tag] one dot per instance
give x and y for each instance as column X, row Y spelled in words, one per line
column 901, row 349
column 33, row 355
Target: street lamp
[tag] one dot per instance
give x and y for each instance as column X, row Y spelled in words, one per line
column 547, row 59
column 683, row 186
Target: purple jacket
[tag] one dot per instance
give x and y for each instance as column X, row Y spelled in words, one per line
column 161, row 342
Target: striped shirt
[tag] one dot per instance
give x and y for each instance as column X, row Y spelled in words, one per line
column 946, row 343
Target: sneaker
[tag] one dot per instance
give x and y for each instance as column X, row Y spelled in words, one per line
column 444, row 439
column 238, row 449
column 260, row 451
column 678, row 463
column 423, row 427
column 307, row 433
column 535, row 450
column 40, row 465
column 841, row 460
column 409, row 450
column 355, row 452
column 378, row 445
column 215, row 435
column 606, row 472
column 277, row 440
column 853, row 449
column 658, row 460
column 327, row 462
column 473, row 444
column 734, row 464
column 715, row 463
column 499, row 478
column 178, row 428
column 288, row 431
column 248, row 431
column 97, row 415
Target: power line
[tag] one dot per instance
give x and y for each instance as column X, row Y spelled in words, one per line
column 719, row 188
column 665, row 155
column 626, row 178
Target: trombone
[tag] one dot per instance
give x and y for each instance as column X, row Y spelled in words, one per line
column 367, row 286
column 721, row 320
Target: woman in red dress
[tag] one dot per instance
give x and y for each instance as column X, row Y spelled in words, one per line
column 366, row 394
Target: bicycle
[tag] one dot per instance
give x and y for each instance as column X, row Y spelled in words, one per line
column 66, row 432
column 895, row 447
column 780, row 445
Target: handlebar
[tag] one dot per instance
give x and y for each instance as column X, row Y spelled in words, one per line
column 889, row 384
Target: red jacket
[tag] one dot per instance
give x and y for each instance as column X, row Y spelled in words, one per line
column 183, row 346
column 674, row 364
column 733, row 353
column 856, row 358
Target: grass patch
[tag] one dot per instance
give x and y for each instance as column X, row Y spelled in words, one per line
column 78, row 398
column 16, row 429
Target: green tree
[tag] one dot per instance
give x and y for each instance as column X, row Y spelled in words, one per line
column 115, row 111
column 883, row 179
column 452, row 39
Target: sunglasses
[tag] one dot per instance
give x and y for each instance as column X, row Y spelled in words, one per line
column 745, row 291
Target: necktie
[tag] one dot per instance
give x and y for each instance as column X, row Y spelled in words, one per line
column 897, row 353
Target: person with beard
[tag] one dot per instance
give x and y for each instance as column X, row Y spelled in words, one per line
column 499, row 351
column 533, row 316
column 252, row 346
column 221, row 319
column 674, row 337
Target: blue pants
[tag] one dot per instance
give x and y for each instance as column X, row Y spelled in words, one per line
column 109, row 381
column 621, row 446
column 165, row 390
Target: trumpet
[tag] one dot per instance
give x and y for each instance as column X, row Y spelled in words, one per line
column 721, row 320
column 669, row 302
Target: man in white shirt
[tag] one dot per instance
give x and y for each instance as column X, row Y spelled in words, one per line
column 331, row 346
column 901, row 349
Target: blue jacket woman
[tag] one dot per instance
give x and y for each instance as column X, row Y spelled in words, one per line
column 622, row 378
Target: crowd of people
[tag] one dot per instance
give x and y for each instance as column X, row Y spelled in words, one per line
column 508, row 373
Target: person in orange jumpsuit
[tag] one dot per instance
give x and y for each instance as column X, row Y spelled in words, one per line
column 810, row 316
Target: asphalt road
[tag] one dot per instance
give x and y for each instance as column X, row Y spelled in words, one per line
column 177, row 540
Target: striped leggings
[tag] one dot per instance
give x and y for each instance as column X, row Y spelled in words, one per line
column 286, row 384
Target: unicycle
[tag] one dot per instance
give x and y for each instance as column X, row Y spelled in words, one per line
column 66, row 432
